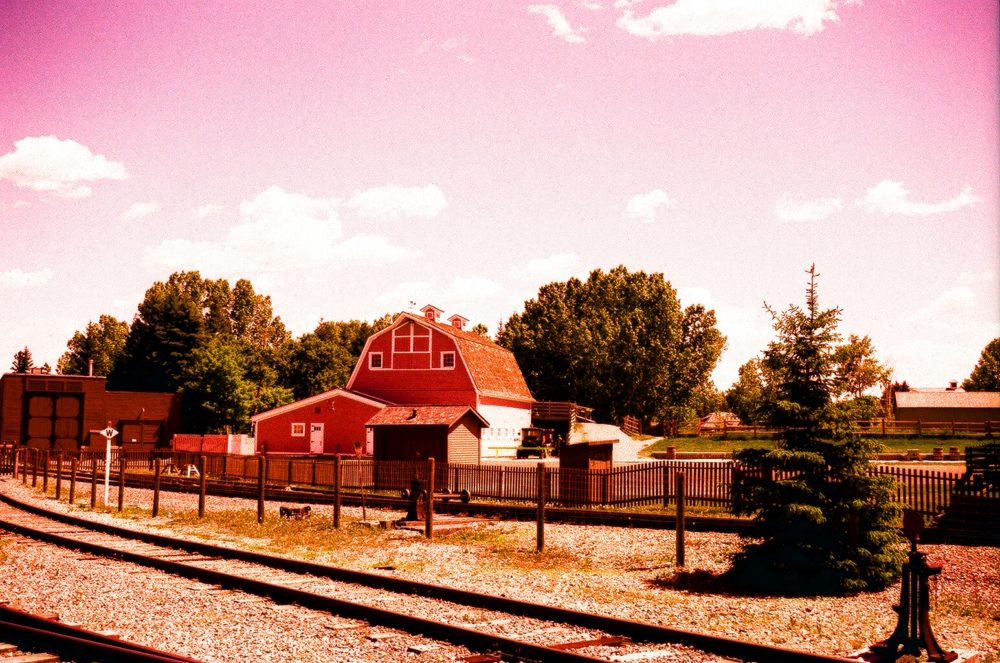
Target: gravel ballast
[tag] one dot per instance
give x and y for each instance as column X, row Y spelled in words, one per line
column 620, row 572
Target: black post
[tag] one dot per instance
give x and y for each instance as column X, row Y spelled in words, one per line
column 261, row 473
column 540, row 517
column 121, row 481
column 72, row 479
column 429, row 509
column 336, row 492
column 156, row 487
column 59, row 464
column 45, row 472
column 93, row 480
column 680, row 518
column 17, row 457
column 202, row 485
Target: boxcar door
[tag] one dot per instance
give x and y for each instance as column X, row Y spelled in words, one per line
column 316, row 439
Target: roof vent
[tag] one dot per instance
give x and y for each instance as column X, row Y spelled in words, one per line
column 458, row 321
column 952, row 386
column 432, row 313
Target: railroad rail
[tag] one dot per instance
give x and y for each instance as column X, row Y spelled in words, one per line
column 582, row 636
column 26, row 631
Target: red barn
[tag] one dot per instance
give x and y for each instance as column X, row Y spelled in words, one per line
column 418, row 360
column 329, row 423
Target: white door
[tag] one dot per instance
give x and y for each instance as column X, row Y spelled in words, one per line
column 316, row 439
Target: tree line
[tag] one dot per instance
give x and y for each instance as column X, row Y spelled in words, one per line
column 618, row 341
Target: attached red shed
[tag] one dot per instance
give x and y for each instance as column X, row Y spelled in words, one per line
column 446, row 433
column 328, row 423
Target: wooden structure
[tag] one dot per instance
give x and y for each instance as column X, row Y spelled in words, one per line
column 328, row 423
column 583, row 472
column 418, row 360
column 559, row 416
column 446, row 433
column 942, row 406
column 65, row 412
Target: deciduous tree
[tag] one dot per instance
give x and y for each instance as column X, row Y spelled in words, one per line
column 825, row 526
column 986, row 374
column 618, row 342
column 101, row 342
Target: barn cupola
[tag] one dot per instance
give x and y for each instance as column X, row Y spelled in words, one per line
column 432, row 313
column 457, row 321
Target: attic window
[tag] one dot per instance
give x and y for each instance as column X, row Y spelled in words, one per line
column 432, row 313
column 458, row 321
column 374, row 360
column 447, row 360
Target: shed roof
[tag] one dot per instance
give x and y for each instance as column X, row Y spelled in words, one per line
column 319, row 398
column 422, row 415
column 948, row 399
column 493, row 368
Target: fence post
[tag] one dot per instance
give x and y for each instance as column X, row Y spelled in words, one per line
column 93, row 480
column 666, row 486
column 121, row 482
column 540, row 517
column 261, row 472
column 45, row 471
column 59, row 464
column 202, row 484
column 336, row 492
column 429, row 508
column 72, row 479
column 156, row 487
column 17, row 457
column 679, row 479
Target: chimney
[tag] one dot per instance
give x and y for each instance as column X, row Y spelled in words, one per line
column 458, row 321
column 432, row 313
column 90, row 367
column 953, row 385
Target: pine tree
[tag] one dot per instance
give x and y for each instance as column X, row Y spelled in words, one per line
column 23, row 363
column 825, row 525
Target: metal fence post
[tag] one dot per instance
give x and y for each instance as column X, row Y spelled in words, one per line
column 202, row 484
column 540, row 518
column 261, row 473
column 156, row 487
column 680, row 518
column 336, row 492
column 429, row 508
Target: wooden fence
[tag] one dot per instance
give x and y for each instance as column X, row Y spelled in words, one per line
column 708, row 483
column 880, row 427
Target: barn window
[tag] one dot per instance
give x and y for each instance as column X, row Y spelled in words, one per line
column 447, row 360
column 298, row 430
column 411, row 338
column 374, row 360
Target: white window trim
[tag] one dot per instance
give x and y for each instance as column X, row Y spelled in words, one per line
column 453, row 360
column 300, row 427
column 381, row 361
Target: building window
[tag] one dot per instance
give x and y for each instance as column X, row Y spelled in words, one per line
column 447, row 360
column 374, row 360
column 298, row 430
column 411, row 338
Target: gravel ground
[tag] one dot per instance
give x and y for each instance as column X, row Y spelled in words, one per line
column 607, row 570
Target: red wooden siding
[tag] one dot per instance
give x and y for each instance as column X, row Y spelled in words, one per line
column 343, row 418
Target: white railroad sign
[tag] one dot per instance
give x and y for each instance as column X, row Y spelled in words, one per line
column 108, row 433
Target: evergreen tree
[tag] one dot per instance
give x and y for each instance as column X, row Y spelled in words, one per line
column 825, row 525
column 23, row 363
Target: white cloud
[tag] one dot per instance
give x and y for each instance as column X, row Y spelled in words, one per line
column 589, row 4
column 46, row 163
column 471, row 288
column 18, row 204
column 453, row 46
column 17, row 278
column 558, row 22
column 141, row 210
column 556, row 267
column 810, row 210
column 394, row 202
column 281, row 235
column 706, row 18
column 890, row 197
column 643, row 206
column 205, row 211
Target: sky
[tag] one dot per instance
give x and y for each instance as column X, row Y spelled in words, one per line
column 353, row 159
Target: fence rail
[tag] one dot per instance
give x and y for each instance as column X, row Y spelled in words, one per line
column 708, row 483
column 881, row 427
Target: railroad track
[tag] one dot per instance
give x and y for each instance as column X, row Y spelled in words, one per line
column 31, row 638
column 499, row 627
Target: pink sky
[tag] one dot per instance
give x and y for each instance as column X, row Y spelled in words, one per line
column 349, row 158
